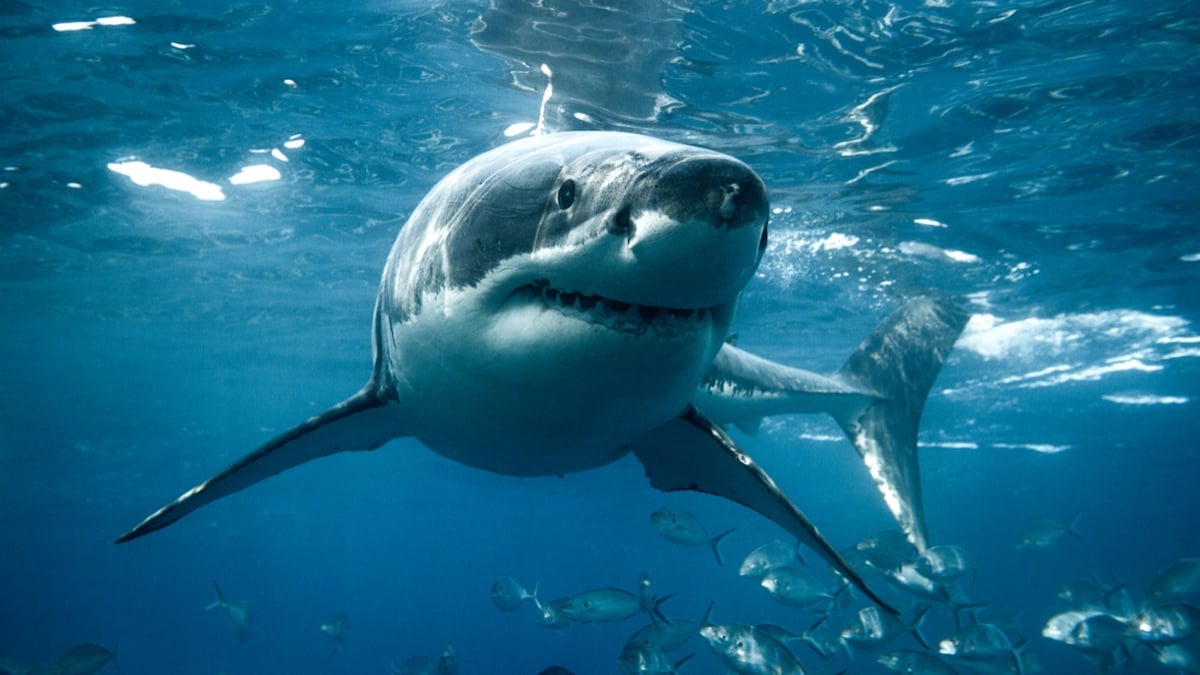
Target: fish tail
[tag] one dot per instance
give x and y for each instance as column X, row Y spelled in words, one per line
column 655, row 612
column 1071, row 526
column 717, row 540
column 916, row 624
column 897, row 364
column 534, row 596
column 1017, row 652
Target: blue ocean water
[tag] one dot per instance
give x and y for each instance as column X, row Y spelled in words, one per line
column 1038, row 158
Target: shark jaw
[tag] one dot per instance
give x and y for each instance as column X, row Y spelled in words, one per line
column 616, row 315
column 545, row 380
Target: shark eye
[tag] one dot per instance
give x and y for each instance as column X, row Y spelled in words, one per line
column 566, row 194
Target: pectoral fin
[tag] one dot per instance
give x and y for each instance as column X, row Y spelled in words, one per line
column 691, row 453
column 361, row 422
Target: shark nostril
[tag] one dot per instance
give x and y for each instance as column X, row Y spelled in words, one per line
column 621, row 223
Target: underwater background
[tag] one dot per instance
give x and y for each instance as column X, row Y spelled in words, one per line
column 1036, row 158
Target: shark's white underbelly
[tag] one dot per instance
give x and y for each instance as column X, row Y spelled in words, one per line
column 566, row 397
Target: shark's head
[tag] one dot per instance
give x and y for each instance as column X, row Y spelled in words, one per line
column 591, row 264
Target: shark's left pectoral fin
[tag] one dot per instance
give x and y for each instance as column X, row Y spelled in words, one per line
column 692, row 453
column 361, row 422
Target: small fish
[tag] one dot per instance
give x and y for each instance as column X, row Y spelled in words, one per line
column 1093, row 632
column 770, row 556
column 825, row 640
column 872, row 627
column 555, row 670
column 1178, row 583
column 1085, row 594
column 238, row 612
column 749, row 651
column 914, row 663
column 886, row 551
column 944, row 563
column 647, row 660
column 508, row 595
column 794, row 587
column 1166, row 624
column 984, row 645
column 550, row 614
column 680, row 527
column 667, row 635
column 446, row 664
column 1045, row 533
column 337, row 629
column 1177, row 657
column 417, row 665
column 83, row 659
column 602, row 604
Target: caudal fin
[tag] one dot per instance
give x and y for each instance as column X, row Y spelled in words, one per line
column 716, row 542
column 899, row 363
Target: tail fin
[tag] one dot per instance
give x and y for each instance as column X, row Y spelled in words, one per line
column 220, row 598
column 899, row 363
column 717, row 540
column 1071, row 527
column 918, row 621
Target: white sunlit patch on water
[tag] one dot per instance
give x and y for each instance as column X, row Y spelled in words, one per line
column 144, row 175
column 1086, row 347
column 1144, row 399
column 786, row 247
column 255, row 173
column 70, row 26
column 1043, row 448
column 923, row 250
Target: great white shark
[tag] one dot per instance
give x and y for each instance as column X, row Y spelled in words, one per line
column 564, row 300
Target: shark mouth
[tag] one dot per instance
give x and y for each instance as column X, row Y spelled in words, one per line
column 624, row 317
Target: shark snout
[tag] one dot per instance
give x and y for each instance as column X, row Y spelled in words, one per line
column 698, row 225
column 719, row 191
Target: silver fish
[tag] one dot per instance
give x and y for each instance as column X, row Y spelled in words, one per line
column 681, row 527
column 985, row 646
column 238, row 612
column 914, row 663
column 944, row 563
column 873, row 628
column 768, row 557
column 550, row 614
column 1092, row 632
column 508, row 595
column 337, row 629
column 886, row 551
column 1179, row 582
column 647, row 660
column 446, row 664
column 748, row 651
column 669, row 635
column 1166, row 624
column 602, row 604
column 794, row 587
column 1045, row 533
column 83, row 659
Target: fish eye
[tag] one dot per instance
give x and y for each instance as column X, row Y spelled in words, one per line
column 566, row 194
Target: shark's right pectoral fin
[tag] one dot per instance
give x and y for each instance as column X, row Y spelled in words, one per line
column 692, row 453
column 361, row 422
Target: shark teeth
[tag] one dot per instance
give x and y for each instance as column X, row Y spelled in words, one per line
column 621, row 316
